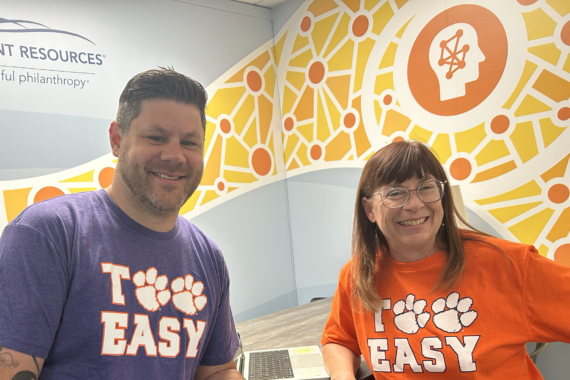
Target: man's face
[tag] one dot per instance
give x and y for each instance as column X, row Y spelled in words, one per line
column 161, row 157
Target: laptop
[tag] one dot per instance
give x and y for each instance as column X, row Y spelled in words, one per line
column 304, row 363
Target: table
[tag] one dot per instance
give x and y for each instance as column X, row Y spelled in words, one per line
column 298, row 326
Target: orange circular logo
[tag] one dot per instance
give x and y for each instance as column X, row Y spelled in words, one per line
column 457, row 60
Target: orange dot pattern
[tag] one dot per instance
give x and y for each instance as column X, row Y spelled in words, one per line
column 564, row 113
column 46, row 193
column 254, row 81
column 289, row 124
column 316, row 72
column 526, row 2
column 336, row 67
column 261, row 161
column 360, row 26
column 316, row 152
column 562, row 255
column 225, row 126
column 306, row 24
column 460, row 169
column 558, row 193
column 349, row 120
column 500, row 124
column 106, row 177
column 565, row 34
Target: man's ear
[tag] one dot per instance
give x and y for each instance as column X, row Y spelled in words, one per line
column 368, row 209
column 116, row 137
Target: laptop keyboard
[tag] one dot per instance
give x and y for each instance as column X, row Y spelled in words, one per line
column 270, row 365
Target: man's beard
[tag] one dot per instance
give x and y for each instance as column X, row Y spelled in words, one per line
column 137, row 180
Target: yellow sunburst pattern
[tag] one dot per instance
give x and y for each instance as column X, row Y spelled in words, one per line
column 356, row 76
column 239, row 147
column 346, row 77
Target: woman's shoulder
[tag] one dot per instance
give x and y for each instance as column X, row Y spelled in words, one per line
column 478, row 244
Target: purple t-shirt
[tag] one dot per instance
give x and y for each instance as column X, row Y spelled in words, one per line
column 100, row 296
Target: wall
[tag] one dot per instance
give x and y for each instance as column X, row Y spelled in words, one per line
column 298, row 105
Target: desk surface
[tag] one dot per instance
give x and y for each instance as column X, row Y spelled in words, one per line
column 298, row 326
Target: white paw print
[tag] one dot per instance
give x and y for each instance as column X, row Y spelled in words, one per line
column 453, row 314
column 187, row 295
column 151, row 291
column 410, row 315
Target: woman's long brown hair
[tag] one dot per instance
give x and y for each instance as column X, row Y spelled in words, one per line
column 396, row 163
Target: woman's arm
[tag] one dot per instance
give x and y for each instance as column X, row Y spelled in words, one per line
column 340, row 362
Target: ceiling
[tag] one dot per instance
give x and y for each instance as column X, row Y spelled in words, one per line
column 262, row 3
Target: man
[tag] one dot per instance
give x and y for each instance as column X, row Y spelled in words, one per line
column 114, row 284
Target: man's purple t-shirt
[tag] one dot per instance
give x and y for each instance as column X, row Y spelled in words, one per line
column 100, row 296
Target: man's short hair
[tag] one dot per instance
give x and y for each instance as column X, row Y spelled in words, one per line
column 162, row 83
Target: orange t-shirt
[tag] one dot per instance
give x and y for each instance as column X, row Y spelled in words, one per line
column 477, row 329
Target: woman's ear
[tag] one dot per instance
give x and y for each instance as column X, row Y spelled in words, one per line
column 368, row 209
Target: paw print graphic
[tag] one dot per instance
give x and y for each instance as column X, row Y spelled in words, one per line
column 410, row 315
column 452, row 314
column 151, row 291
column 187, row 295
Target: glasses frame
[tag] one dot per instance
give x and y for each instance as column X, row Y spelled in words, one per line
column 409, row 191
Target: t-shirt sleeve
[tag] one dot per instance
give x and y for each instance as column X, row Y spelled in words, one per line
column 547, row 290
column 33, row 290
column 223, row 342
column 340, row 327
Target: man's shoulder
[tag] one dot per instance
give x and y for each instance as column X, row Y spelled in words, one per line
column 62, row 209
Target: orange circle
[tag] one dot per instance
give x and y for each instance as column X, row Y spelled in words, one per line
column 306, row 24
column 225, row 126
column 316, row 72
column 387, row 99
column 398, row 138
column 562, row 255
column 460, row 169
column 360, row 25
column 564, row 113
column 288, row 124
column 254, row 81
column 500, row 124
column 106, row 177
column 221, row 186
column 565, row 34
column 492, row 41
column 349, row 120
column 526, row 2
column 558, row 193
column 47, row 193
column 261, row 161
column 316, row 152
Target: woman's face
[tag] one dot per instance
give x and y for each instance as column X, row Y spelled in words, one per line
column 409, row 230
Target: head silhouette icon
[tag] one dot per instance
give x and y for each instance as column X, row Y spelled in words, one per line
column 454, row 56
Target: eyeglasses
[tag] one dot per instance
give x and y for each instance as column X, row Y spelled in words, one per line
column 396, row 197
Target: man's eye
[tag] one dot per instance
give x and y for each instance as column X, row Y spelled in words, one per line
column 155, row 138
column 188, row 143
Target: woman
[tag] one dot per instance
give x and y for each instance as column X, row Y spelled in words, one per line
column 423, row 299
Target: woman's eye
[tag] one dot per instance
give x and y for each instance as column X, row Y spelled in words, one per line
column 394, row 194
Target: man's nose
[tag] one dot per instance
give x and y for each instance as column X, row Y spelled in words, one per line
column 173, row 152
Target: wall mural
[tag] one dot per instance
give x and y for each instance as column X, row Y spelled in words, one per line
column 486, row 84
